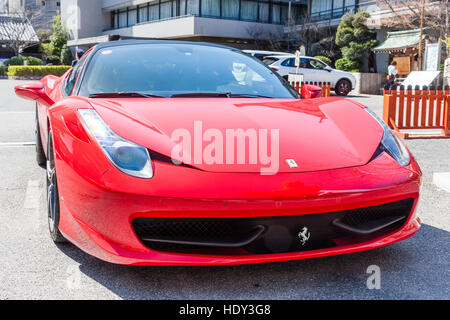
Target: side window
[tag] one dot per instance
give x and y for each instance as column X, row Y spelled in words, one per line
column 288, row 62
column 73, row 76
column 317, row 64
column 306, row 63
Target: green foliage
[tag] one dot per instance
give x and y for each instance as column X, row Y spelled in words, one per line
column 59, row 35
column 324, row 59
column 37, row 71
column 3, row 71
column 66, row 55
column 16, row 61
column 353, row 36
column 32, row 61
column 46, row 49
column 345, row 64
column 20, row 61
column 54, row 60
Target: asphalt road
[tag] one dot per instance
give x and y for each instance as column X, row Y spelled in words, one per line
column 32, row 267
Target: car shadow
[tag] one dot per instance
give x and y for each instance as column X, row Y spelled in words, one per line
column 410, row 269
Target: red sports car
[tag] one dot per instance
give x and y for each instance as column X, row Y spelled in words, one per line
column 178, row 153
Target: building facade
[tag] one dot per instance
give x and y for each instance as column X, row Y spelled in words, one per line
column 234, row 22
column 43, row 10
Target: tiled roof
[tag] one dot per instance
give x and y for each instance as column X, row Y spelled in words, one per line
column 23, row 31
column 398, row 40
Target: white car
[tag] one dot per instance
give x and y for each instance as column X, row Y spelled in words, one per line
column 313, row 70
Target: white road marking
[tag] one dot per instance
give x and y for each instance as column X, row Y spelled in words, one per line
column 17, row 144
column 17, row 112
column 442, row 180
column 32, row 196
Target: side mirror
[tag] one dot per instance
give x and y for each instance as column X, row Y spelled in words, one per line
column 33, row 90
column 310, row 91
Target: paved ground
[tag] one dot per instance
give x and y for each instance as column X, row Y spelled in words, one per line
column 32, row 267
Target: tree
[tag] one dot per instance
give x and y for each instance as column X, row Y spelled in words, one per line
column 354, row 37
column 405, row 14
column 59, row 35
column 18, row 29
column 66, row 56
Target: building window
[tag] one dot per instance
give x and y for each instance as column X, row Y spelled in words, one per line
column 153, row 12
column 266, row 11
column 193, row 7
column 132, row 16
column 211, row 8
column 166, row 9
column 276, row 14
column 143, row 14
column 230, row 9
column 249, row 10
column 182, row 7
column 122, row 19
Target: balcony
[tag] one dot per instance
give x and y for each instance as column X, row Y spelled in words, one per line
column 337, row 13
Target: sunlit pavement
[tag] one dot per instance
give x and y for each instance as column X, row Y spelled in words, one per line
column 32, row 267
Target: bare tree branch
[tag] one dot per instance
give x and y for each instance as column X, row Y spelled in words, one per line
column 17, row 29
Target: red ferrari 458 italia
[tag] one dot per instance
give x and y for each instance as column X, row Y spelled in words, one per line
column 178, row 153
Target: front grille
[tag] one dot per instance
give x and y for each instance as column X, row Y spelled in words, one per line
column 362, row 216
column 278, row 234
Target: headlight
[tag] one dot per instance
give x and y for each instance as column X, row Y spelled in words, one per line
column 125, row 155
column 391, row 143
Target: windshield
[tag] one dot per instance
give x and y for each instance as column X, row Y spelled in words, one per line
column 173, row 69
column 269, row 60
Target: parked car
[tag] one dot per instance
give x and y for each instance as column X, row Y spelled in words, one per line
column 126, row 183
column 314, row 70
column 261, row 54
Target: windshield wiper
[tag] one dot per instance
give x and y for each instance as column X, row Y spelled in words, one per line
column 202, row 94
column 217, row 95
column 247, row 95
column 123, row 94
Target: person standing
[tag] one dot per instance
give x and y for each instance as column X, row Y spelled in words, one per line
column 79, row 54
column 392, row 74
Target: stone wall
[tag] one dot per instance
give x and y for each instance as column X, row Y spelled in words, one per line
column 447, row 72
column 369, row 83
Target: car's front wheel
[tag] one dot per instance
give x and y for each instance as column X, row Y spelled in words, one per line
column 343, row 87
column 52, row 194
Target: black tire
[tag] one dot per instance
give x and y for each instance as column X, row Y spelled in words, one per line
column 40, row 154
column 53, row 212
column 343, row 87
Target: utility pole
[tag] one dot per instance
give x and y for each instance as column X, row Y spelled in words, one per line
column 447, row 40
column 422, row 17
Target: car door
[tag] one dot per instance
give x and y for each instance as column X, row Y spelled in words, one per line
column 305, row 68
column 320, row 72
column 287, row 66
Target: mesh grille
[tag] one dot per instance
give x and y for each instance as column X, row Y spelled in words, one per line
column 167, row 231
column 362, row 216
column 184, row 229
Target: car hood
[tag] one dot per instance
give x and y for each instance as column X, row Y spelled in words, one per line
column 313, row 135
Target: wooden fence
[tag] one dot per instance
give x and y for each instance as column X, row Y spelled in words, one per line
column 417, row 113
column 326, row 87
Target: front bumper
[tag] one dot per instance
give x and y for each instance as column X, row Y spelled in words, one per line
column 98, row 216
